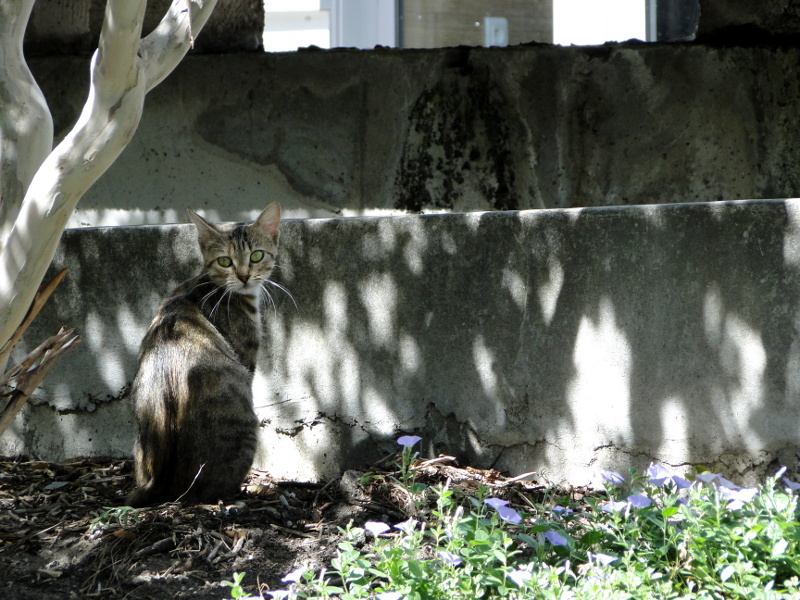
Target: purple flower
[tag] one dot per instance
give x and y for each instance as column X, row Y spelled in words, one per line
column 602, row 559
column 613, row 506
column 294, row 575
column 509, row 514
column 519, row 577
column 280, row 593
column 780, row 472
column 707, row 477
column 791, row 484
column 556, row 538
column 639, row 501
column 450, row 558
column 612, row 477
column 407, row 526
column 408, row 440
column 495, row 503
column 680, row 482
column 506, row 512
column 389, row 596
column 376, row 527
column 737, row 497
column 658, row 474
column 560, row 511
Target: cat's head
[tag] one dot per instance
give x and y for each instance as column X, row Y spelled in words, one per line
column 240, row 257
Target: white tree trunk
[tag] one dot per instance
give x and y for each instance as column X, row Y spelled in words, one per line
column 123, row 69
column 26, row 127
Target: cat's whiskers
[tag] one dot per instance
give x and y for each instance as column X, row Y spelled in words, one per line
column 281, row 288
column 266, row 297
column 230, row 290
column 205, row 298
column 226, row 289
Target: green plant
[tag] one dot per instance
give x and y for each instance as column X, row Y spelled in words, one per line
column 124, row 516
column 654, row 535
column 236, row 585
column 406, row 461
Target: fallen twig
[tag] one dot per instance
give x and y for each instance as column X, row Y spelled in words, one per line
column 432, row 461
column 163, row 545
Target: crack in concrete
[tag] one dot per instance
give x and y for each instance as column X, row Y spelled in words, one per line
column 89, row 404
column 318, row 419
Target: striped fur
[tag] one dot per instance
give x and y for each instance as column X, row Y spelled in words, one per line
column 192, row 391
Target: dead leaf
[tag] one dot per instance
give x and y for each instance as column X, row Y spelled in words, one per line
column 126, row 534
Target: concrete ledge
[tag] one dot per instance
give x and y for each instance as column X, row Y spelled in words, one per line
column 562, row 341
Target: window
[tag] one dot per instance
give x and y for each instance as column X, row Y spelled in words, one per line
column 290, row 24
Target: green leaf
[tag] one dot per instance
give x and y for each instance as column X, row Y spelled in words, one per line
column 524, row 537
column 416, row 569
column 669, row 511
column 592, row 537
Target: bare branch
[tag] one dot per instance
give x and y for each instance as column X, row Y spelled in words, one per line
column 38, row 302
column 28, row 377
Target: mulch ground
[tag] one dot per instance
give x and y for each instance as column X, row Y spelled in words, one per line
column 59, row 538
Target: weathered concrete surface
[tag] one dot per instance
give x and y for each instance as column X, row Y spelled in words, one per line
column 737, row 19
column 562, row 341
column 349, row 132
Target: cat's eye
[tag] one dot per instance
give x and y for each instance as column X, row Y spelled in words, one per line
column 257, row 256
column 225, row 261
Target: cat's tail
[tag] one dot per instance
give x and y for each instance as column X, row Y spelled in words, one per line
column 145, row 495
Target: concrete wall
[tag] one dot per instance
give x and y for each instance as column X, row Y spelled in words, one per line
column 353, row 132
column 562, row 341
column 737, row 20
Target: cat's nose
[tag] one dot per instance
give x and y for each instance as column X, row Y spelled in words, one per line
column 243, row 278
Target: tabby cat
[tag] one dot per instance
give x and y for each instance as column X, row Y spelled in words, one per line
column 192, row 391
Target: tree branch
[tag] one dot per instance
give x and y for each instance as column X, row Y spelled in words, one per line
column 123, row 70
column 169, row 42
column 38, row 302
column 28, row 377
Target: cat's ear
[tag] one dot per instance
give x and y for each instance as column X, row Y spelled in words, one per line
column 269, row 221
column 206, row 231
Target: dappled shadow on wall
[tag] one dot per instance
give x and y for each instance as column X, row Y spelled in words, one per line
column 514, row 339
column 556, row 341
column 117, row 278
